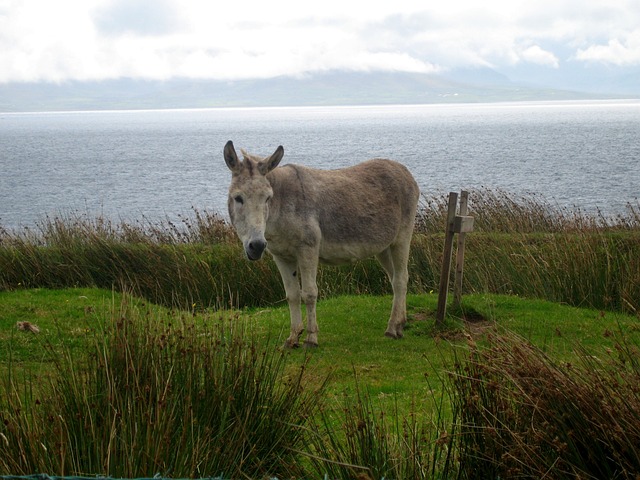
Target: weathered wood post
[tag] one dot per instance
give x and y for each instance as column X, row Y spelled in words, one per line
column 460, row 224
column 457, row 291
column 446, row 259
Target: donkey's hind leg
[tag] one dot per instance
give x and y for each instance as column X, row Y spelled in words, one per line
column 398, row 256
column 384, row 257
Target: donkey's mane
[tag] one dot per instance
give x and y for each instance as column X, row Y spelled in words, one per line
column 250, row 156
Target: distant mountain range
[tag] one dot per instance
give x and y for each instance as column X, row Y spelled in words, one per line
column 335, row 88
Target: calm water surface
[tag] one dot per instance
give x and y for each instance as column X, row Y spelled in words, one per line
column 126, row 164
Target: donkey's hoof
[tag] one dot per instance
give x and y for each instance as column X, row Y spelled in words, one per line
column 308, row 344
column 395, row 335
column 290, row 345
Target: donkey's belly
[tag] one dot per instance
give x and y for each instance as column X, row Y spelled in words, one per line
column 341, row 253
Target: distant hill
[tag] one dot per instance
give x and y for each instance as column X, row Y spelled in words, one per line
column 335, row 88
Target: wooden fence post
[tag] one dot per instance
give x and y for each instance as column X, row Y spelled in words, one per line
column 446, row 259
column 457, row 292
column 460, row 224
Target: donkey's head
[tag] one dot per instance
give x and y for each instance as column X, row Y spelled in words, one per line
column 249, row 196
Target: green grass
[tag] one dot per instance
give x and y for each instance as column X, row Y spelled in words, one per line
column 351, row 330
column 68, row 316
column 383, row 405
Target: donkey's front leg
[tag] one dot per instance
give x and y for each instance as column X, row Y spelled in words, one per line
column 308, row 268
column 288, row 272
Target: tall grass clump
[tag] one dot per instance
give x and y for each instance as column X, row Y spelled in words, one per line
column 159, row 397
column 184, row 264
column 522, row 245
column 362, row 440
column 520, row 414
column 197, row 262
column 501, row 211
column 528, row 246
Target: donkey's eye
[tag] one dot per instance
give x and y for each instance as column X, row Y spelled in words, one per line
column 238, row 199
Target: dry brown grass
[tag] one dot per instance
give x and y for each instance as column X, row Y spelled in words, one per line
column 521, row 414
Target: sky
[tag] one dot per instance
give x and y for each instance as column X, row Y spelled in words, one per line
column 61, row 40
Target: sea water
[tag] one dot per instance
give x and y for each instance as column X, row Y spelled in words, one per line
column 160, row 164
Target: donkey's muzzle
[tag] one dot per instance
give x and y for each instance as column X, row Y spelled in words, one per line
column 255, row 249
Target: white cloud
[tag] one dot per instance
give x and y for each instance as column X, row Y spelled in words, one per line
column 46, row 40
column 94, row 39
column 535, row 54
column 625, row 52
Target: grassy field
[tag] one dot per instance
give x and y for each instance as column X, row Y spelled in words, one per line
column 351, row 330
column 362, row 375
column 159, row 351
column 356, row 381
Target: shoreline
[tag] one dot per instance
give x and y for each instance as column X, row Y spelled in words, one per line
column 596, row 102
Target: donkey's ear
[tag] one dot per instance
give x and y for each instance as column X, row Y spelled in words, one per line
column 268, row 164
column 231, row 157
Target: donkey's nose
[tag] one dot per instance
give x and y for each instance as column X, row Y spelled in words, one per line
column 255, row 248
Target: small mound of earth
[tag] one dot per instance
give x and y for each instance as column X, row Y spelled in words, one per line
column 473, row 330
column 475, row 325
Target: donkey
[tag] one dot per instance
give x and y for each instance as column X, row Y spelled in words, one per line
column 303, row 216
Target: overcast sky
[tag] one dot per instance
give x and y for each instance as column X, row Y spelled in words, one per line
column 57, row 40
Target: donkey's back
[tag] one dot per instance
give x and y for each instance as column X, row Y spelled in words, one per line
column 369, row 206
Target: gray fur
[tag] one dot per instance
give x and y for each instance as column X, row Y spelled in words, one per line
column 303, row 215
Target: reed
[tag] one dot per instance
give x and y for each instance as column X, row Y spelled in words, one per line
column 521, row 245
column 359, row 439
column 526, row 245
column 500, row 211
column 519, row 413
column 158, row 396
column 175, row 274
